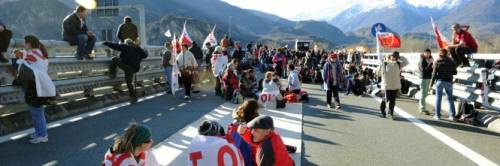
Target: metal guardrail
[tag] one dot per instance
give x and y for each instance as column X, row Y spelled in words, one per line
column 82, row 76
column 465, row 80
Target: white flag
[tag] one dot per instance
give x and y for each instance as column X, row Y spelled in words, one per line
column 210, row 39
column 168, row 34
column 211, row 150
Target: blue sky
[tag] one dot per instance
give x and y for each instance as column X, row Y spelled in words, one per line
column 321, row 9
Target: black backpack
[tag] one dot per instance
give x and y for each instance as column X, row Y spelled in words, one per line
column 466, row 113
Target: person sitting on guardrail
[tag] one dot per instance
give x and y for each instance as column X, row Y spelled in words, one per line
column 5, row 36
column 167, row 61
column 75, row 32
column 425, row 69
column 443, row 70
column 332, row 76
column 131, row 56
column 187, row 65
column 132, row 148
column 462, row 43
column 390, row 71
column 39, row 90
column 127, row 30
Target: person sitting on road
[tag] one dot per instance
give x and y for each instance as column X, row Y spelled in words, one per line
column 248, row 84
column 127, row 30
column 270, row 149
column 293, row 80
column 129, row 61
column 210, row 147
column 230, row 80
column 133, row 148
column 75, row 32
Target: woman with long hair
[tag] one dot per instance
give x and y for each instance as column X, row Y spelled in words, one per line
column 133, row 148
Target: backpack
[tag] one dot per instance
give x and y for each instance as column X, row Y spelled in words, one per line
column 280, row 103
column 467, row 114
column 237, row 97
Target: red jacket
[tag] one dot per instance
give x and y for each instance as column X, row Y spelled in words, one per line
column 467, row 38
column 230, row 79
column 271, row 151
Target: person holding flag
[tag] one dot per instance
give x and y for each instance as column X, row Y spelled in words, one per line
column 174, row 84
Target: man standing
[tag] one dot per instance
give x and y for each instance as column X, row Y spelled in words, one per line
column 129, row 61
column 167, row 62
column 75, row 32
column 127, row 30
column 425, row 68
column 391, row 82
column 463, row 43
column 5, row 36
column 332, row 76
column 187, row 65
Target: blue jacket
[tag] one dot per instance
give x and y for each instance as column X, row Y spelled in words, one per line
column 327, row 70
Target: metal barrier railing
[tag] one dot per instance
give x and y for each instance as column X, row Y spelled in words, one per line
column 80, row 77
column 465, row 86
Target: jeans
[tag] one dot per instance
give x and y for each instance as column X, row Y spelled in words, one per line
column 424, row 90
column 39, row 122
column 168, row 73
column 458, row 55
column 333, row 90
column 448, row 87
column 390, row 96
column 85, row 45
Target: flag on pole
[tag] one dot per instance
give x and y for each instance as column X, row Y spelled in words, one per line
column 210, row 39
column 440, row 39
column 388, row 39
column 174, row 81
column 184, row 38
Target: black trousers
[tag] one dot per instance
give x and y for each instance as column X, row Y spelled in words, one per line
column 129, row 73
column 5, row 37
column 390, row 96
column 458, row 55
column 187, row 80
column 218, row 86
column 334, row 90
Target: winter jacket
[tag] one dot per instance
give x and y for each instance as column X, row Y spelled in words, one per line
column 196, row 50
column 230, row 79
column 219, row 63
column 467, row 38
column 270, row 151
column 72, row 26
column 146, row 158
column 167, row 58
column 238, row 54
column 248, row 87
column 444, row 69
column 391, row 75
column 129, row 55
column 279, row 60
column 425, row 68
column 293, row 80
column 330, row 77
column 244, row 147
column 186, row 60
column 127, row 30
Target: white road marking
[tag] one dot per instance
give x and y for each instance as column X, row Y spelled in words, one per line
column 457, row 146
column 23, row 133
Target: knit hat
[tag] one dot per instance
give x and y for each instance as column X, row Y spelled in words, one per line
column 261, row 122
column 211, row 128
column 143, row 134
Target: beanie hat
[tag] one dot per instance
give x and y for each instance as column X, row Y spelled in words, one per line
column 143, row 134
column 211, row 128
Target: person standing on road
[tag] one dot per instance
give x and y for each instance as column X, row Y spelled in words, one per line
column 443, row 70
column 5, row 36
column 219, row 62
column 187, row 65
column 391, row 82
column 75, row 32
column 332, row 76
column 133, row 148
column 129, row 61
column 425, row 68
column 127, row 30
column 167, row 61
column 36, row 84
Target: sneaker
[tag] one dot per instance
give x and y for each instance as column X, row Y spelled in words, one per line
column 187, row 97
column 39, row 140
column 437, row 117
column 133, row 100
column 424, row 112
column 383, row 116
column 329, row 106
column 451, row 118
column 338, row 107
column 391, row 117
column 32, row 136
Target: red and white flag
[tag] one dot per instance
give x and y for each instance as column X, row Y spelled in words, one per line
column 210, row 39
column 389, row 40
column 441, row 41
column 184, row 39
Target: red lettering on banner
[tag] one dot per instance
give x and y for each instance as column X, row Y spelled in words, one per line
column 194, row 157
column 220, row 155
